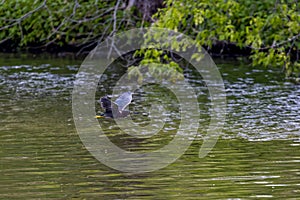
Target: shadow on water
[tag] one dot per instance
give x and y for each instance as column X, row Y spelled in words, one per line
column 41, row 155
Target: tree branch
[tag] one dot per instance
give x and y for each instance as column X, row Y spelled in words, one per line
column 114, row 27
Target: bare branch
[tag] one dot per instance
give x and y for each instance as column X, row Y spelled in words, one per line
column 276, row 45
column 4, row 40
column 130, row 4
column 114, row 27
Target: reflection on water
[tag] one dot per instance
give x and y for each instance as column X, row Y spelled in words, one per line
column 41, row 155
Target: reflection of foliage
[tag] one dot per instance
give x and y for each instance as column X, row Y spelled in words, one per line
column 271, row 30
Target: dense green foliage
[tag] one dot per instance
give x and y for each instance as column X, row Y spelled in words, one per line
column 31, row 23
column 270, row 29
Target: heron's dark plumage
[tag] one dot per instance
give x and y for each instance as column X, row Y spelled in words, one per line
column 116, row 109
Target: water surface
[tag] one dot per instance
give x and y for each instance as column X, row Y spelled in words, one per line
column 42, row 156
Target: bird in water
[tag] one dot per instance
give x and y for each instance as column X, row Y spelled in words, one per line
column 115, row 109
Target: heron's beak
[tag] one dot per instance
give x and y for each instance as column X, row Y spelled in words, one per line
column 99, row 116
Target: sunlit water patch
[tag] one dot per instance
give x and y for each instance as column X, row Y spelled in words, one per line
column 261, row 105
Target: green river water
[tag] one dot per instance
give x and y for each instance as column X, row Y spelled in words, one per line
column 42, row 157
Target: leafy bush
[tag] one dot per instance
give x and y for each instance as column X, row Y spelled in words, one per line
column 270, row 29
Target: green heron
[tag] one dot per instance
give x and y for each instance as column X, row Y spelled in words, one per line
column 115, row 109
